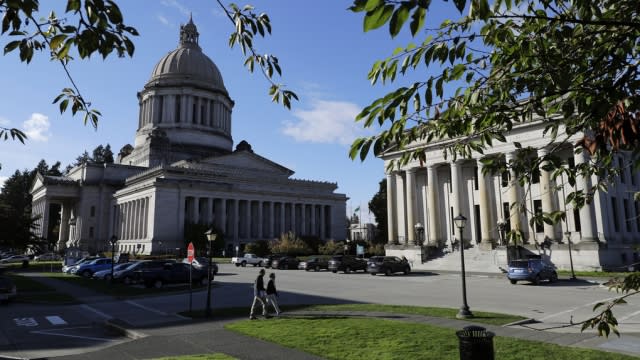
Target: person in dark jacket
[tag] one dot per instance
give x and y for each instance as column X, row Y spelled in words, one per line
column 259, row 296
column 272, row 293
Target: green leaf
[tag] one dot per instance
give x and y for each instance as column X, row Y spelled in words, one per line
column 417, row 20
column 398, row 19
column 377, row 17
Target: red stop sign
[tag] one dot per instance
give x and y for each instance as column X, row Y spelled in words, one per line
column 191, row 252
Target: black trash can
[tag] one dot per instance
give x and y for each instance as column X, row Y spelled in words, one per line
column 476, row 343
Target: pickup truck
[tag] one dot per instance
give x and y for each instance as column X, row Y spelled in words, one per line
column 170, row 273
column 250, row 259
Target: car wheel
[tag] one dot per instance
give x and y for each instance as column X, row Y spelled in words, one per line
column 317, row 268
column 347, row 269
column 554, row 277
column 237, row 265
column 387, row 272
column 157, row 284
column 127, row 280
column 334, row 271
column 536, row 280
column 260, row 264
column 407, row 270
column 86, row 273
column 244, row 264
column 373, row 274
column 513, row 282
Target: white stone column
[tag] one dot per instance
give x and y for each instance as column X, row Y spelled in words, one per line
column 223, row 216
column 283, row 222
column 432, row 204
column 514, row 215
column 321, row 227
column 260, row 220
column 235, row 225
column 293, row 218
column 392, row 233
column 303, row 219
column 456, row 189
column 402, row 209
column 249, row 221
column 312, row 214
column 546, row 194
column 486, row 220
column 272, row 221
column 195, row 210
column 588, row 232
column 411, row 205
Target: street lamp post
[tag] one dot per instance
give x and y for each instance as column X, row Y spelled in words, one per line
column 211, row 237
column 568, row 235
column 464, row 313
column 419, row 229
column 113, row 241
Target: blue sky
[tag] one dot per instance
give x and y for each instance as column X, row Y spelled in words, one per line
column 324, row 54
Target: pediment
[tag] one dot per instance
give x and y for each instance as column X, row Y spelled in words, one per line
column 241, row 160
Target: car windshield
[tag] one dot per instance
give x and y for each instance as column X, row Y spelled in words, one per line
column 519, row 263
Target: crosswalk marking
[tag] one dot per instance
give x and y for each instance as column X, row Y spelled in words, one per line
column 56, row 320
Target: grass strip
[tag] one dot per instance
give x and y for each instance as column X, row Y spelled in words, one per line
column 379, row 339
column 214, row 356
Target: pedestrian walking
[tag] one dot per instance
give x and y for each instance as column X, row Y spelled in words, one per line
column 259, row 296
column 272, row 293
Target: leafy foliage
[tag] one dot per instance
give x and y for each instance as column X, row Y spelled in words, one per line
column 331, row 247
column 248, row 25
column 260, row 248
column 290, row 244
column 573, row 65
column 378, row 206
column 195, row 233
column 99, row 28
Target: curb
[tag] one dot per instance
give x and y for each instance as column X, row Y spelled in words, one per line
column 122, row 327
column 522, row 322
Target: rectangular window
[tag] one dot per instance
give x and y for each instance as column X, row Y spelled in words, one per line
column 614, row 213
column 93, row 211
column 202, row 115
column 91, row 232
column 178, row 100
column 535, row 176
column 194, row 119
column 627, row 214
column 475, row 178
column 576, row 219
column 623, row 171
column 160, row 108
column 537, row 205
column 505, row 178
column 507, row 217
column 637, row 206
column 571, row 162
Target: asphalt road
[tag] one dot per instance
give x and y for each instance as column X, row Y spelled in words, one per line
column 33, row 331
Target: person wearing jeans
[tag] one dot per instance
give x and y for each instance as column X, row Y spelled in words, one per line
column 272, row 293
column 259, row 296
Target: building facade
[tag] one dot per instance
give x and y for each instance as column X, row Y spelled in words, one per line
column 423, row 199
column 183, row 169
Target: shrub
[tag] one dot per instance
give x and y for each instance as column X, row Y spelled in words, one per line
column 331, row 247
column 289, row 244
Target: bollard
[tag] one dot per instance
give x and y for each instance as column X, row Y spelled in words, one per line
column 476, row 343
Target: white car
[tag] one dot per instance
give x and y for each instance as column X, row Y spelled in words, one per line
column 47, row 257
column 15, row 259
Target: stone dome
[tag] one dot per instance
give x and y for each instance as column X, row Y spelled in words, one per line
column 187, row 65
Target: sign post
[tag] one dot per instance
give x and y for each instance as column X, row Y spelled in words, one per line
column 191, row 252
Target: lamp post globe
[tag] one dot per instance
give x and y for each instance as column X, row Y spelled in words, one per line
column 419, row 230
column 113, row 241
column 460, row 221
column 211, row 237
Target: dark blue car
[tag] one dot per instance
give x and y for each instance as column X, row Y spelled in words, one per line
column 533, row 270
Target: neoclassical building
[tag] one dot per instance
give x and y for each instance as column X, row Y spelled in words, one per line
column 183, row 169
column 423, row 199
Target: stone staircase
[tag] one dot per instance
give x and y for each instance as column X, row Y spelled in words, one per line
column 489, row 261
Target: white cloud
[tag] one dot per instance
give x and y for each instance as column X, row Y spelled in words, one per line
column 177, row 5
column 4, row 122
column 325, row 122
column 163, row 20
column 37, row 127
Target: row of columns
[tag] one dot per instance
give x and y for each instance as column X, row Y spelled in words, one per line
column 402, row 208
column 131, row 219
column 186, row 109
column 257, row 219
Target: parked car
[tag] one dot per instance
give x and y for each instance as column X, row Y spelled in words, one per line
column 128, row 275
column 8, row 289
column 88, row 268
column 15, row 259
column 106, row 273
column 250, row 259
column 47, row 257
column 285, row 262
column 387, row 265
column 315, row 263
column 171, row 273
column 269, row 259
column 68, row 268
column 533, row 270
column 202, row 262
column 346, row 263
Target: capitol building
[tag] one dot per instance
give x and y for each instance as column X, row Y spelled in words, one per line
column 183, row 169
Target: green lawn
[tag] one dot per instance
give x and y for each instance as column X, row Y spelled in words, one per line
column 343, row 338
column 30, row 290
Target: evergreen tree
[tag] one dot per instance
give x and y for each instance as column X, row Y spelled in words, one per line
column 378, row 206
